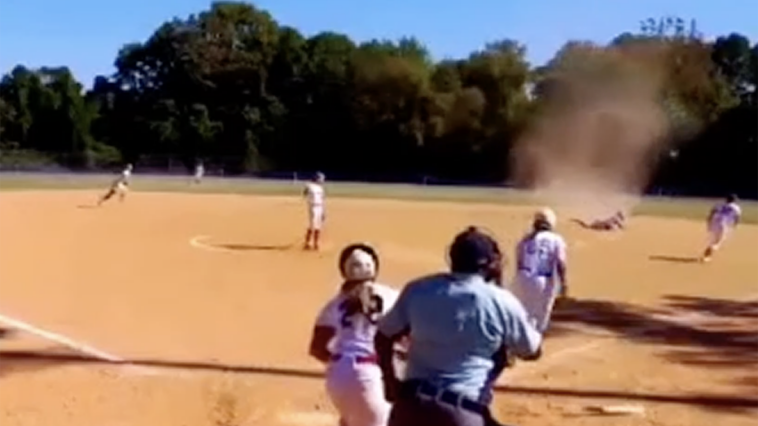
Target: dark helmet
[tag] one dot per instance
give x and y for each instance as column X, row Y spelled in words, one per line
column 731, row 198
column 474, row 251
column 358, row 261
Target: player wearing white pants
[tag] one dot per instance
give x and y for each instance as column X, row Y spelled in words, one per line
column 119, row 187
column 541, row 269
column 343, row 339
column 723, row 218
column 314, row 194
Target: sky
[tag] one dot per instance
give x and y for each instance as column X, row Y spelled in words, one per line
column 85, row 35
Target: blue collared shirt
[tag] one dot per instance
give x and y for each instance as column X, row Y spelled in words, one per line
column 457, row 322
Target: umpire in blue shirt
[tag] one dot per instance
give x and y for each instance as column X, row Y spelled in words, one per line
column 463, row 327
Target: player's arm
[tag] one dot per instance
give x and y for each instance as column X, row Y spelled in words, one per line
column 561, row 267
column 323, row 332
column 392, row 328
column 319, row 347
column 522, row 339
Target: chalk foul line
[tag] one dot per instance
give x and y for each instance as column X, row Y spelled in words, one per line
column 76, row 345
column 199, row 243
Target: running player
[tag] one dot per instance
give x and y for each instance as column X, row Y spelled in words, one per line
column 199, row 172
column 120, row 186
column 541, row 268
column 722, row 219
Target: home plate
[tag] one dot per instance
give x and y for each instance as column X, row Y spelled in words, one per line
column 616, row 409
column 309, row 418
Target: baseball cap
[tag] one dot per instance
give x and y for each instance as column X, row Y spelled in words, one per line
column 471, row 250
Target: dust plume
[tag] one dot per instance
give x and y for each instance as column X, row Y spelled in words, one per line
column 594, row 145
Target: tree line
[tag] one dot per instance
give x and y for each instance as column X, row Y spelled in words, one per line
column 233, row 88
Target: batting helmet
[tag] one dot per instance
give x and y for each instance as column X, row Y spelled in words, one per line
column 545, row 219
column 475, row 252
column 358, row 262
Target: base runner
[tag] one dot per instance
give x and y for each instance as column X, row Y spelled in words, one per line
column 314, row 196
column 343, row 339
column 722, row 219
column 541, row 269
column 120, row 186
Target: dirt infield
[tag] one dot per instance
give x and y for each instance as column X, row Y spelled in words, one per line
column 212, row 300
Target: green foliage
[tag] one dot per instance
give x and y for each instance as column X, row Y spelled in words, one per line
column 232, row 87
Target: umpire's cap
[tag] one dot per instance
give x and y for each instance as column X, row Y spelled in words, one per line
column 473, row 251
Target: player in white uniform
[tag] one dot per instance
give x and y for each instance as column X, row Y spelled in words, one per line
column 314, row 196
column 541, row 269
column 199, row 172
column 613, row 223
column 343, row 339
column 120, row 186
column 723, row 218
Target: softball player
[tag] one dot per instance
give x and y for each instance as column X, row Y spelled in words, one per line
column 540, row 268
column 120, row 186
column 613, row 223
column 462, row 326
column 199, row 172
column 343, row 338
column 722, row 219
column 314, row 195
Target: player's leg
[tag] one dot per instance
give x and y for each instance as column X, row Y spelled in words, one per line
column 527, row 292
column 122, row 189
column 317, row 221
column 357, row 392
column 716, row 236
column 107, row 196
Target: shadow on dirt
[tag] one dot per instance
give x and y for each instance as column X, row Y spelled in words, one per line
column 14, row 361
column 255, row 247
column 675, row 259
column 698, row 331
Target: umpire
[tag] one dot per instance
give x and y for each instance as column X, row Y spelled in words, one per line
column 462, row 327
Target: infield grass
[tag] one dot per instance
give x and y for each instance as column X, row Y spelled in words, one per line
column 689, row 208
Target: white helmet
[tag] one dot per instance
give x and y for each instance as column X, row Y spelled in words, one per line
column 358, row 263
column 547, row 216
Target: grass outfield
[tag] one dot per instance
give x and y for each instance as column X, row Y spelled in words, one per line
column 691, row 208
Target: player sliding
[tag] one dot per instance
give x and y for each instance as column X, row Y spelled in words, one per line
column 119, row 186
column 613, row 223
column 722, row 219
column 314, row 196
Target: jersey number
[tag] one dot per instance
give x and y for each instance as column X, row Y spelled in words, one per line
column 347, row 314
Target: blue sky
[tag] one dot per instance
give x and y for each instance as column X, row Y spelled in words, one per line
column 86, row 34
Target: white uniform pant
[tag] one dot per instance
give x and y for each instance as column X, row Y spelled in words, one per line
column 121, row 189
column 717, row 233
column 537, row 295
column 315, row 217
column 357, row 392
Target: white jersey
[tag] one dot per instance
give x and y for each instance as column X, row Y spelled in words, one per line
column 355, row 334
column 123, row 178
column 538, row 254
column 314, row 194
column 725, row 215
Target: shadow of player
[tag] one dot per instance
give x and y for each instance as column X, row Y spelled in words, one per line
column 255, row 247
column 674, row 259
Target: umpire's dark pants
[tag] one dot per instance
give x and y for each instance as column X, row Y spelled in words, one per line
column 419, row 404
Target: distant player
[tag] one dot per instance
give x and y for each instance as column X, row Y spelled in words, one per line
column 614, row 223
column 343, row 339
column 120, row 186
column 541, row 269
column 314, row 196
column 722, row 219
column 199, row 172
